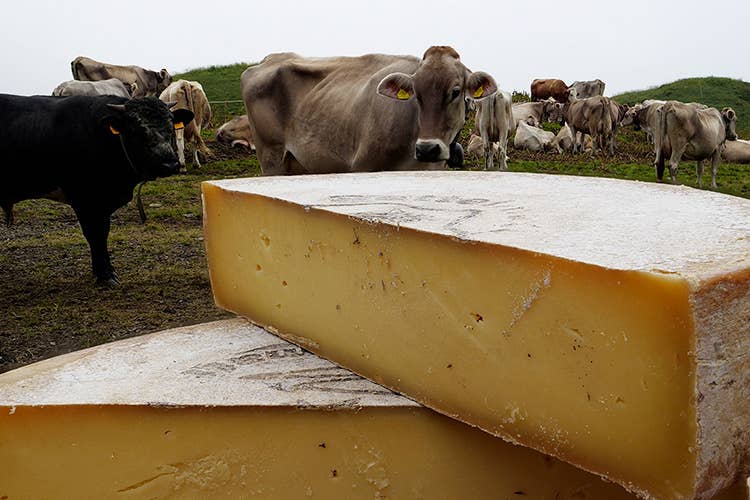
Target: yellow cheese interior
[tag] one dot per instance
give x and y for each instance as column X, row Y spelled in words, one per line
column 589, row 364
column 273, row 453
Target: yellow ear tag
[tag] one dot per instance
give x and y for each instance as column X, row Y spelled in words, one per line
column 479, row 92
column 179, row 125
column 403, row 95
column 114, row 130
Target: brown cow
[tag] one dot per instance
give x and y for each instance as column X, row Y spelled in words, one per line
column 236, row 132
column 694, row 133
column 360, row 114
column 147, row 82
column 184, row 94
column 550, row 87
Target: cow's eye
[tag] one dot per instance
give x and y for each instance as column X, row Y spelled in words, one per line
column 455, row 93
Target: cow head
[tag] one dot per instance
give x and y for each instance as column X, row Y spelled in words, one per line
column 236, row 132
column 631, row 117
column 730, row 123
column 164, row 79
column 147, row 130
column 438, row 88
column 553, row 111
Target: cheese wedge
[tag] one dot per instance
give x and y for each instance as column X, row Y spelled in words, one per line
column 604, row 322
column 227, row 410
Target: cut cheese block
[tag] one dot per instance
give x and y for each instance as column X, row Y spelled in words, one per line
column 227, row 410
column 604, row 322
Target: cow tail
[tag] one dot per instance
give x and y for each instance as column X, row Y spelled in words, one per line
column 659, row 136
column 606, row 124
column 139, row 203
column 493, row 121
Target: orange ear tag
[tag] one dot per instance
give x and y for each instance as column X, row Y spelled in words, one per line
column 179, row 125
column 114, row 130
column 403, row 95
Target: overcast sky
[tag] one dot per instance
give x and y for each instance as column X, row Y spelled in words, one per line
column 630, row 45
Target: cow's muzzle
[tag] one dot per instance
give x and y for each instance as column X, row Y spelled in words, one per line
column 431, row 150
column 456, row 159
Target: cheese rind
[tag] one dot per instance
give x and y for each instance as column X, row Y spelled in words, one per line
column 531, row 306
column 225, row 409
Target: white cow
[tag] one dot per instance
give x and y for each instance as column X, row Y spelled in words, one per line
column 184, row 94
column 476, row 147
column 532, row 138
column 563, row 141
column 686, row 131
column 112, row 86
column 534, row 113
column 736, row 151
column 493, row 121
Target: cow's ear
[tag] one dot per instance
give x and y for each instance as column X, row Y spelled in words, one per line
column 112, row 122
column 728, row 113
column 164, row 73
column 480, row 86
column 183, row 116
column 397, row 86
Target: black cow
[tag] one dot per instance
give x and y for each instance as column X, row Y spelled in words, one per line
column 89, row 152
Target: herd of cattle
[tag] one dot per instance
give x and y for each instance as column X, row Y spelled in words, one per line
column 112, row 127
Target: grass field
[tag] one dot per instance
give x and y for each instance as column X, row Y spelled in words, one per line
column 51, row 304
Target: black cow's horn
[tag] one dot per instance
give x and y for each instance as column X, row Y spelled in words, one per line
column 118, row 107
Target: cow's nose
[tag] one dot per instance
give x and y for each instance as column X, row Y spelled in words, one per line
column 430, row 151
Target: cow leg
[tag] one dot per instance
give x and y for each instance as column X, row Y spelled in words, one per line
column 271, row 159
column 95, row 227
column 699, row 172
column 714, row 167
column 502, row 152
column 8, row 209
column 489, row 157
column 201, row 146
column 595, row 138
column 195, row 159
column 574, row 135
column 674, row 161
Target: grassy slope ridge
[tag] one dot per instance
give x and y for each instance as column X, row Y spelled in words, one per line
column 712, row 91
column 221, row 83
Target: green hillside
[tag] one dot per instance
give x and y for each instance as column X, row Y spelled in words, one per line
column 713, row 91
column 221, row 83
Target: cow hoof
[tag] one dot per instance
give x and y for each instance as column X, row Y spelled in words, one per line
column 110, row 282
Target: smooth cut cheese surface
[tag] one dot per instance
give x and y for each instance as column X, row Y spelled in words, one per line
column 227, row 410
column 604, row 322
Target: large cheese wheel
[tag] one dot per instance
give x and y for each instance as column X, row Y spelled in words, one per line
column 604, row 322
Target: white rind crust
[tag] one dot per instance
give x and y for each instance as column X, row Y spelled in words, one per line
column 624, row 225
column 223, row 363
column 699, row 236
column 722, row 321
